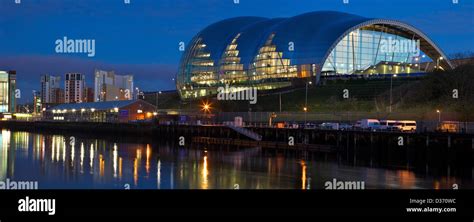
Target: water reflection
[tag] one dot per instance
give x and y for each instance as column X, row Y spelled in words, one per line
column 205, row 174
column 52, row 161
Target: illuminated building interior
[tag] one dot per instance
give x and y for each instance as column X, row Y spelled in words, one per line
column 269, row 69
column 360, row 52
column 4, row 92
column 7, row 91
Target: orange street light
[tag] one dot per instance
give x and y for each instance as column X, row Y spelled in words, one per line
column 206, row 107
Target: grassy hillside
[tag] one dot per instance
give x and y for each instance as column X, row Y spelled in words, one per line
column 413, row 95
column 323, row 98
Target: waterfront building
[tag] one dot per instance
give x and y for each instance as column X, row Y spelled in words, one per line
column 74, row 88
column 7, row 91
column 89, row 95
column 50, row 85
column 109, row 87
column 37, row 102
column 282, row 53
column 57, row 95
column 109, row 111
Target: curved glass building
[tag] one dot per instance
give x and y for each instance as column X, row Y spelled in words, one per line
column 287, row 52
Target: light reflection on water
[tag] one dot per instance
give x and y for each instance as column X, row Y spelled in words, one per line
column 57, row 161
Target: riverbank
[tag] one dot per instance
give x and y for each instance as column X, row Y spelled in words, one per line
column 334, row 138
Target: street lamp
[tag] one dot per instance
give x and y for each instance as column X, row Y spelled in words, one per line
column 391, row 86
column 306, row 94
column 206, row 107
column 439, row 115
column 157, row 93
column 305, row 109
column 279, row 96
column 138, row 92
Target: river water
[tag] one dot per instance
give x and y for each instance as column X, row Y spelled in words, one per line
column 75, row 162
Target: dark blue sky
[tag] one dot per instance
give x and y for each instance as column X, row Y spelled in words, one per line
column 142, row 38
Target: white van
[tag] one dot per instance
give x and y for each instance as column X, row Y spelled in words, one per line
column 390, row 125
column 407, row 125
column 368, row 124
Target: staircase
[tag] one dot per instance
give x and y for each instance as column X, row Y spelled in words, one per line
column 248, row 133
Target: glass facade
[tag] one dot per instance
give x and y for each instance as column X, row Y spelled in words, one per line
column 7, row 92
column 198, row 72
column 270, row 69
column 4, row 92
column 231, row 70
column 11, row 93
column 362, row 52
column 259, row 55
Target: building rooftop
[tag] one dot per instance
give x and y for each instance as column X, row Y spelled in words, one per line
column 94, row 105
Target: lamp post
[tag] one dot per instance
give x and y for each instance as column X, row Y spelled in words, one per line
column 306, row 94
column 280, row 100
column 157, row 93
column 305, row 109
column 391, row 86
column 439, row 115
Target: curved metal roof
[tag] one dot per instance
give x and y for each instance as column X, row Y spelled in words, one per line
column 314, row 35
column 253, row 37
column 218, row 35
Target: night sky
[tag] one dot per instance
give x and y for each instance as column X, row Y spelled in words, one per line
column 141, row 38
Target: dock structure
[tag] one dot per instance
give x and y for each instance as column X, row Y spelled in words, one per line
column 313, row 139
column 373, row 149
